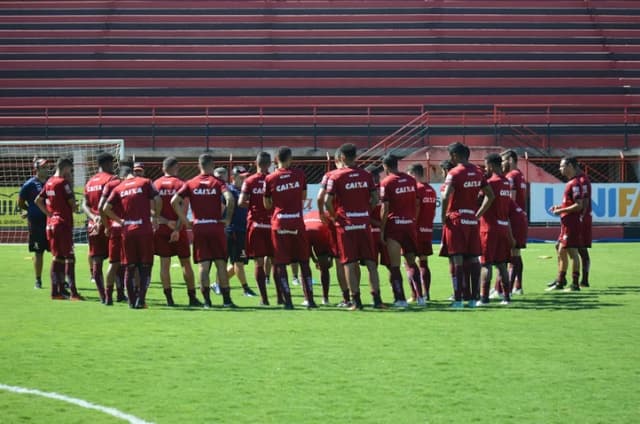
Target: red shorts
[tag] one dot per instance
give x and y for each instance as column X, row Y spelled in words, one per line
column 381, row 249
column 424, row 246
column 333, row 240
column 496, row 246
column 166, row 249
column 60, row 238
column 520, row 234
column 115, row 244
column 461, row 235
column 404, row 234
column 570, row 227
column 137, row 247
column 320, row 242
column 587, row 226
column 209, row 243
column 290, row 246
column 355, row 245
column 258, row 242
column 99, row 245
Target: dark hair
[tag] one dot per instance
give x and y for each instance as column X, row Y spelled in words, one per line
column 169, row 162
column 263, row 159
column 64, row 162
column 571, row 160
column 510, row 154
column 205, row 159
column 284, row 154
column 348, row 150
column 459, row 149
column 104, row 158
column 416, row 169
column 373, row 170
column 446, row 165
column 125, row 170
column 494, row 159
column 390, row 161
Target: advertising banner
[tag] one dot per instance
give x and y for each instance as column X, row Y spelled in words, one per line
column 611, row 203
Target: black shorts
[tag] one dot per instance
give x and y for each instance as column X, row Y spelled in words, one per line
column 38, row 236
column 235, row 247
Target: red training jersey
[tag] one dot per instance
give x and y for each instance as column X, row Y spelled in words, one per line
column 253, row 187
column 519, row 186
column 56, row 193
column 351, row 189
column 585, row 193
column 466, row 180
column 287, row 189
column 498, row 212
column 167, row 186
column 427, row 199
column 133, row 195
column 312, row 221
column 400, row 190
column 572, row 193
column 93, row 190
column 205, row 192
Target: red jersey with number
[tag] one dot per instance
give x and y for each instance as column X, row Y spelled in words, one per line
column 253, row 187
column 427, row 199
column 498, row 212
column 400, row 190
column 93, row 190
column 56, row 193
column 572, row 192
column 286, row 188
column 351, row 189
column 519, row 186
column 466, row 180
column 585, row 193
column 205, row 193
column 167, row 186
column 133, row 195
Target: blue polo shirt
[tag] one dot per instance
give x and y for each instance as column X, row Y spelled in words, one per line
column 29, row 192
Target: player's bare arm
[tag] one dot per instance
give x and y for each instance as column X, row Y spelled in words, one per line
column 40, row 204
column 321, row 202
column 328, row 202
column 384, row 211
column 486, row 202
column 267, row 202
column 108, row 211
column 243, row 200
column 575, row 208
column 445, row 203
column 231, row 205
column 373, row 199
column 178, row 205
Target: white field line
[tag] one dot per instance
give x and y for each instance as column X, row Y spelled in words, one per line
column 81, row 403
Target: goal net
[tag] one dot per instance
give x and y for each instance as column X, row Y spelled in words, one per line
column 16, row 167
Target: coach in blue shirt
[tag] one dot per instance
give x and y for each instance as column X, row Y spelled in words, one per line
column 37, row 220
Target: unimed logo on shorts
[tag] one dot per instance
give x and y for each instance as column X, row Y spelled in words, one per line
column 613, row 203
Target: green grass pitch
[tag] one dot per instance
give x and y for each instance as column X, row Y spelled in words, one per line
column 547, row 358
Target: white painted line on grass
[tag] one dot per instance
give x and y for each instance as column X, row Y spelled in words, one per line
column 81, row 403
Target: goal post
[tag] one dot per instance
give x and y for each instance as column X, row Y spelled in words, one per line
column 16, row 167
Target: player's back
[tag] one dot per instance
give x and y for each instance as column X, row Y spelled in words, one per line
column 585, row 192
column 519, row 185
column 93, row 189
column 168, row 186
column 466, row 180
column 58, row 192
column 498, row 212
column 572, row 192
column 427, row 198
column 399, row 190
column 286, row 187
column 135, row 194
column 205, row 195
column 253, row 186
column 351, row 188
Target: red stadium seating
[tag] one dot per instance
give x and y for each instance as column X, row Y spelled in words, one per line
column 73, row 69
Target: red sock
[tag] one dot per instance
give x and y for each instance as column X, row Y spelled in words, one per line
column 425, row 276
column 516, row 272
column 458, row 282
column 325, row 280
column 96, row 274
column 70, row 273
column 261, row 281
column 475, row 280
column 57, row 277
column 585, row 259
column 282, row 280
column 307, row 283
column 396, row 283
column 414, row 279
